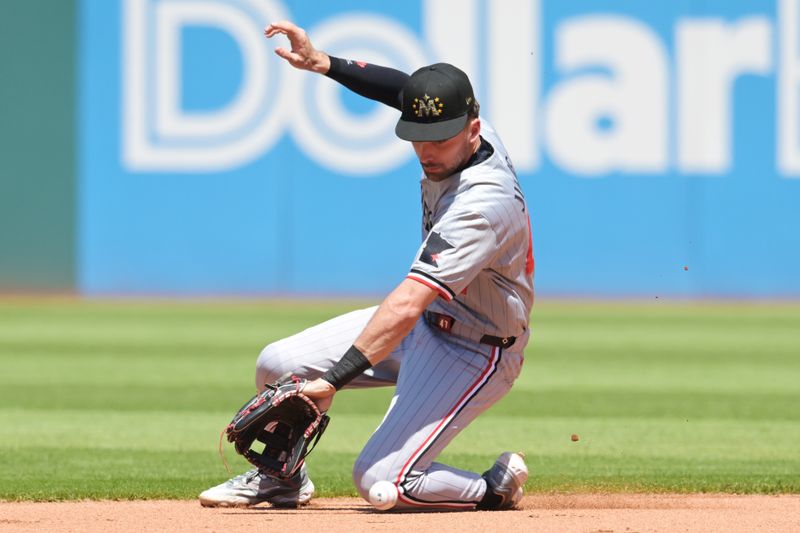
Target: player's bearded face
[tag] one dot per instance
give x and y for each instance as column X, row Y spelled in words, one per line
column 441, row 159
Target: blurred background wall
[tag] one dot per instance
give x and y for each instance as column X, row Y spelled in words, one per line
column 37, row 145
column 159, row 146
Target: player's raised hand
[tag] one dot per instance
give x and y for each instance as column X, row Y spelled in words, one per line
column 303, row 55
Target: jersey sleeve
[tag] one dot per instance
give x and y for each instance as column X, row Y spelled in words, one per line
column 456, row 249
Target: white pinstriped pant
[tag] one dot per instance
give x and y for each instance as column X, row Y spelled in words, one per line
column 443, row 383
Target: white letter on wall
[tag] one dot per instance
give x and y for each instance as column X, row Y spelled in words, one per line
column 631, row 98
column 710, row 55
column 157, row 133
column 355, row 144
column 788, row 119
column 509, row 94
column 513, row 69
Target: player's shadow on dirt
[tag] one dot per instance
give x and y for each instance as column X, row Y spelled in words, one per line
column 337, row 509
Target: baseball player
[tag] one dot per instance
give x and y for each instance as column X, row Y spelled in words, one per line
column 451, row 335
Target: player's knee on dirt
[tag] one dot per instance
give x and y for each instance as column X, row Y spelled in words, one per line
column 364, row 476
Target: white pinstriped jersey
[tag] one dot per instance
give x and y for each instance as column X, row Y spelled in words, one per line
column 476, row 249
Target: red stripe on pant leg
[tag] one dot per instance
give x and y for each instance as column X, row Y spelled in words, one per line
column 419, row 451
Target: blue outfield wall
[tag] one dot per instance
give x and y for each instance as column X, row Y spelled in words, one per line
column 658, row 144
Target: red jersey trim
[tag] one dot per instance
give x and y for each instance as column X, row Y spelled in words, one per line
column 529, row 262
column 443, row 292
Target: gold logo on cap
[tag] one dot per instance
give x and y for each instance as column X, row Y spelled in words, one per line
column 427, row 107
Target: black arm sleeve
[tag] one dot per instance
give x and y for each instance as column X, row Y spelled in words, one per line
column 383, row 84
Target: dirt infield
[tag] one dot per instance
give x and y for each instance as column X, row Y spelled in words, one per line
column 596, row 513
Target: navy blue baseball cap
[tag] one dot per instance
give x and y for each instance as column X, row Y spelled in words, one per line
column 435, row 103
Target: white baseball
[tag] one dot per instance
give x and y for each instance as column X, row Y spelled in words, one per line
column 383, row 495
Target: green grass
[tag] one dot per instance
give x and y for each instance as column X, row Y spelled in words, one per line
column 126, row 399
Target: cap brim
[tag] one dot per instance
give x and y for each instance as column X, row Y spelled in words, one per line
column 432, row 131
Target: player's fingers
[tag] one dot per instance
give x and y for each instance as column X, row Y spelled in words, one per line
column 324, row 404
column 284, row 26
column 291, row 57
column 285, row 54
column 270, row 32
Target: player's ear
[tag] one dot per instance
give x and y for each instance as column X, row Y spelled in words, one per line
column 474, row 127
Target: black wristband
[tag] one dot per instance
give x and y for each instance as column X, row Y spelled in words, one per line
column 350, row 366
